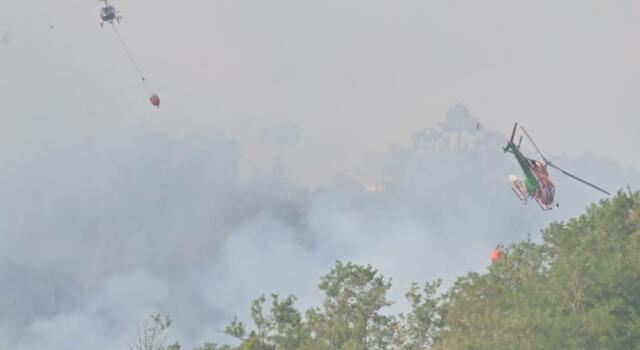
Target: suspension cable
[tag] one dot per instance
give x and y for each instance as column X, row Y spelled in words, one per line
column 133, row 60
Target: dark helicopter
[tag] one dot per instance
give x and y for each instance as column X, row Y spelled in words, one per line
column 108, row 14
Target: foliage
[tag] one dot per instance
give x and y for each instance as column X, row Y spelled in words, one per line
column 578, row 289
column 419, row 328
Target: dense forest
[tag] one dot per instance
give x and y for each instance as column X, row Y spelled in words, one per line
column 579, row 288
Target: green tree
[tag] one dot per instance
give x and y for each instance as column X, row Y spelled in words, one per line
column 214, row 346
column 236, row 329
column 354, row 296
column 349, row 319
column 579, row 289
column 418, row 329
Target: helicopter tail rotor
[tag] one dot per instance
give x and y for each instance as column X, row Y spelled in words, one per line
column 513, row 133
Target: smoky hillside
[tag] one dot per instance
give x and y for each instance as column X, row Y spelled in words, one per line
column 103, row 232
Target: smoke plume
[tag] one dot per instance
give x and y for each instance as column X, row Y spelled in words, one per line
column 99, row 235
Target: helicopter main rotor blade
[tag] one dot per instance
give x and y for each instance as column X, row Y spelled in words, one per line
column 579, row 179
column 534, row 144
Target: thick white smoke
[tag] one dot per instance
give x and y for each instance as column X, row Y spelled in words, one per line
column 101, row 235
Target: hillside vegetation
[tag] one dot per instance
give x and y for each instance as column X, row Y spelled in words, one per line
column 578, row 289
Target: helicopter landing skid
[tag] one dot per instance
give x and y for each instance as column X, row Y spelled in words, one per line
column 545, row 207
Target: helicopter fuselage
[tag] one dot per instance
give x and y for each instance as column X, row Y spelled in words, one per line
column 537, row 184
column 108, row 13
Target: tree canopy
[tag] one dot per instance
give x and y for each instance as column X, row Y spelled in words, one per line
column 579, row 288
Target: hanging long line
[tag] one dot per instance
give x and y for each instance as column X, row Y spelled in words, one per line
column 126, row 49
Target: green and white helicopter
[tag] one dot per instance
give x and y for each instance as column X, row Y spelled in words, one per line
column 536, row 184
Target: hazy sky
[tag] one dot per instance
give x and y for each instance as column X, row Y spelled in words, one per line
column 127, row 223
column 354, row 76
column 111, row 209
